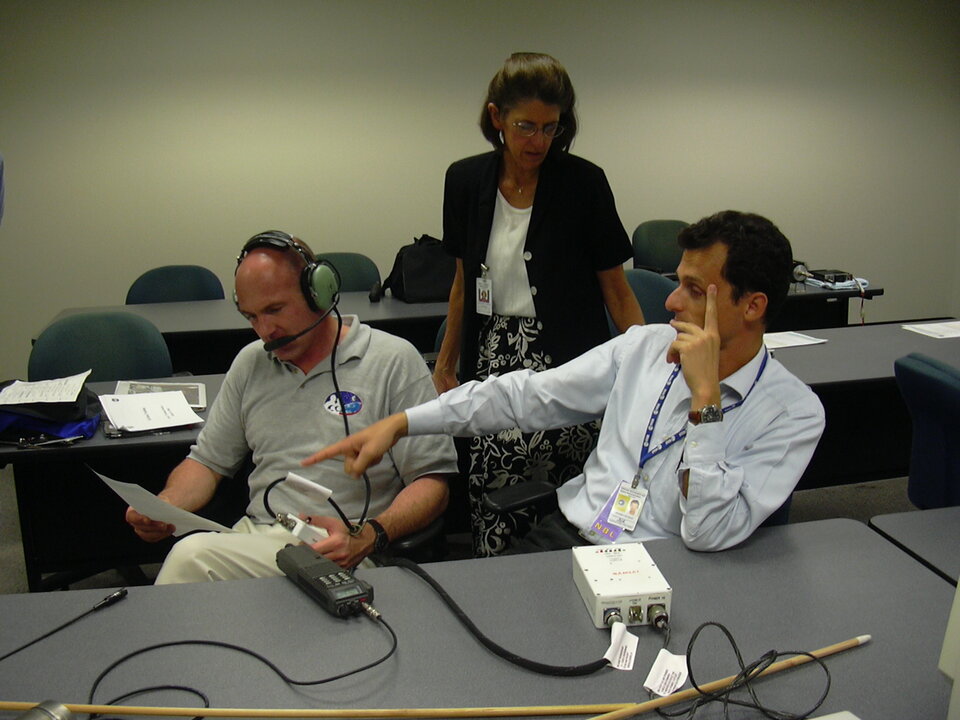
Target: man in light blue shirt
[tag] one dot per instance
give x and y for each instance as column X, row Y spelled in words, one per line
column 702, row 428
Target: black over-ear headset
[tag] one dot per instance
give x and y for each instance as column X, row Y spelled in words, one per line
column 319, row 279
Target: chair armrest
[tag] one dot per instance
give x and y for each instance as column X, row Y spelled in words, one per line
column 417, row 539
column 521, row 495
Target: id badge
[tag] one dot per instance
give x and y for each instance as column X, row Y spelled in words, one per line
column 484, row 296
column 621, row 512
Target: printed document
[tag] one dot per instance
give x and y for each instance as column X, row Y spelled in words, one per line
column 146, row 503
column 143, row 412
column 65, row 389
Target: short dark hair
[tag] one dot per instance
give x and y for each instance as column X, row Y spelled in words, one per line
column 759, row 256
column 531, row 76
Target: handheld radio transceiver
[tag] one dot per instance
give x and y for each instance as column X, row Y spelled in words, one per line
column 337, row 591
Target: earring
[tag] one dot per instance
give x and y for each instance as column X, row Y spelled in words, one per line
column 502, row 140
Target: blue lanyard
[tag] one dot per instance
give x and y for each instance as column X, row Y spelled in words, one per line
column 647, row 452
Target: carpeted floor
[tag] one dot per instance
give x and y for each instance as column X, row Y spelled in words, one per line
column 860, row 502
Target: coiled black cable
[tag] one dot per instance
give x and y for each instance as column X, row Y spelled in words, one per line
column 743, row 680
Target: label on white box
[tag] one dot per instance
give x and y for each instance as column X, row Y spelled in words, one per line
column 623, row 647
column 668, row 673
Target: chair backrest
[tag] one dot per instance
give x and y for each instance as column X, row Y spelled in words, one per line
column 357, row 271
column 651, row 290
column 115, row 345
column 931, row 391
column 175, row 283
column 655, row 245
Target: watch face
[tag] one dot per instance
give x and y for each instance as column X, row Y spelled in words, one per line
column 711, row 413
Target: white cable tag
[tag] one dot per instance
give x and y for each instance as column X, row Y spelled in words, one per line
column 314, row 491
column 668, row 673
column 623, row 647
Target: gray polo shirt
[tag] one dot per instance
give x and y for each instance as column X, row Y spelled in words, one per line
column 271, row 408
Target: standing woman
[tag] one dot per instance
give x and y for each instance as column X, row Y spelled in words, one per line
column 540, row 252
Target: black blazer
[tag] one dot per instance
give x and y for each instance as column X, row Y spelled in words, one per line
column 574, row 232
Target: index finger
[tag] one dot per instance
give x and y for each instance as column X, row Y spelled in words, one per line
column 331, row 451
column 710, row 315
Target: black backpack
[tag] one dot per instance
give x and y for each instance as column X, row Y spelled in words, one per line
column 422, row 272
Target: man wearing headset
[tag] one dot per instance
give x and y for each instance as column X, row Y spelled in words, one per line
column 317, row 372
column 701, row 426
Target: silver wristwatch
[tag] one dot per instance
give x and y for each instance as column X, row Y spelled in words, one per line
column 706, row 414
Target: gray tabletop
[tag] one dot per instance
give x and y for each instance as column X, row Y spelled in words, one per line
column 794, row 587
column 931, row 536
column 861, row 353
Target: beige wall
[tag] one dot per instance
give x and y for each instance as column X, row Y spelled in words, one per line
column 143, row 133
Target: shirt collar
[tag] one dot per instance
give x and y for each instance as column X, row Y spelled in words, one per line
column 742, row 380
column 353, row 345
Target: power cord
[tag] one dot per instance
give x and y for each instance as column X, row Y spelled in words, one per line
column 743, row 679
column 500, row 651
column 368, row 609
column 106, row 602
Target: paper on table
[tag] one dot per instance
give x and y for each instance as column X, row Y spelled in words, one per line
column 146, row 503
column 153, row 411
column 65, row 389
column 789, row 339
column 936, row 330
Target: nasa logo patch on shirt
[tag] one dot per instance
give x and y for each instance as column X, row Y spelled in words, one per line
column 348, row 403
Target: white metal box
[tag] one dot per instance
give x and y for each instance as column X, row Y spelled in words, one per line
column 620, row 582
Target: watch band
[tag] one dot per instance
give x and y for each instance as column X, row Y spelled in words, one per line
column 706, row 414
column 382, row 539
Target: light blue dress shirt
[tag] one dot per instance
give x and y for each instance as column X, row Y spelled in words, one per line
column 741, row 469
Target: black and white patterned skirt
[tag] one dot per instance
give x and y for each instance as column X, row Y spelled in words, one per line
column 511, row 456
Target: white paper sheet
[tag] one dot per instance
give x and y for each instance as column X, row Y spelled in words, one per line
column 146, row 503
column 49, row 391
column 789, row 338
column 150, row 411
column 936, row 330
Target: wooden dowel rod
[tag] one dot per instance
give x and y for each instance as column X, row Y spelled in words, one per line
column 692, row 694
column 611, row 711
column 518, row 711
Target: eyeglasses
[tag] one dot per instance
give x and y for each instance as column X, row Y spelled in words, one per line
column 529, row 129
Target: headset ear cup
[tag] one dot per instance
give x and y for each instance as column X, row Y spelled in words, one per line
column 321, row 286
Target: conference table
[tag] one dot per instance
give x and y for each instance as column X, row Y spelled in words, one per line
column 931, row 536
column 71, row 524
column 788, row 588
column 204, row 336
column 868, row 429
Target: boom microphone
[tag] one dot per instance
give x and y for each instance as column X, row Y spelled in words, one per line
column 287, row 339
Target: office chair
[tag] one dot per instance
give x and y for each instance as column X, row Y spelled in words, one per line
column 114, row 345
column 655, row 245
column 651, row 290
column 175, row 283
column 357, row 271
column 931, row 391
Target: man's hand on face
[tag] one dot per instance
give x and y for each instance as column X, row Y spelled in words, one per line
column 697, row 349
